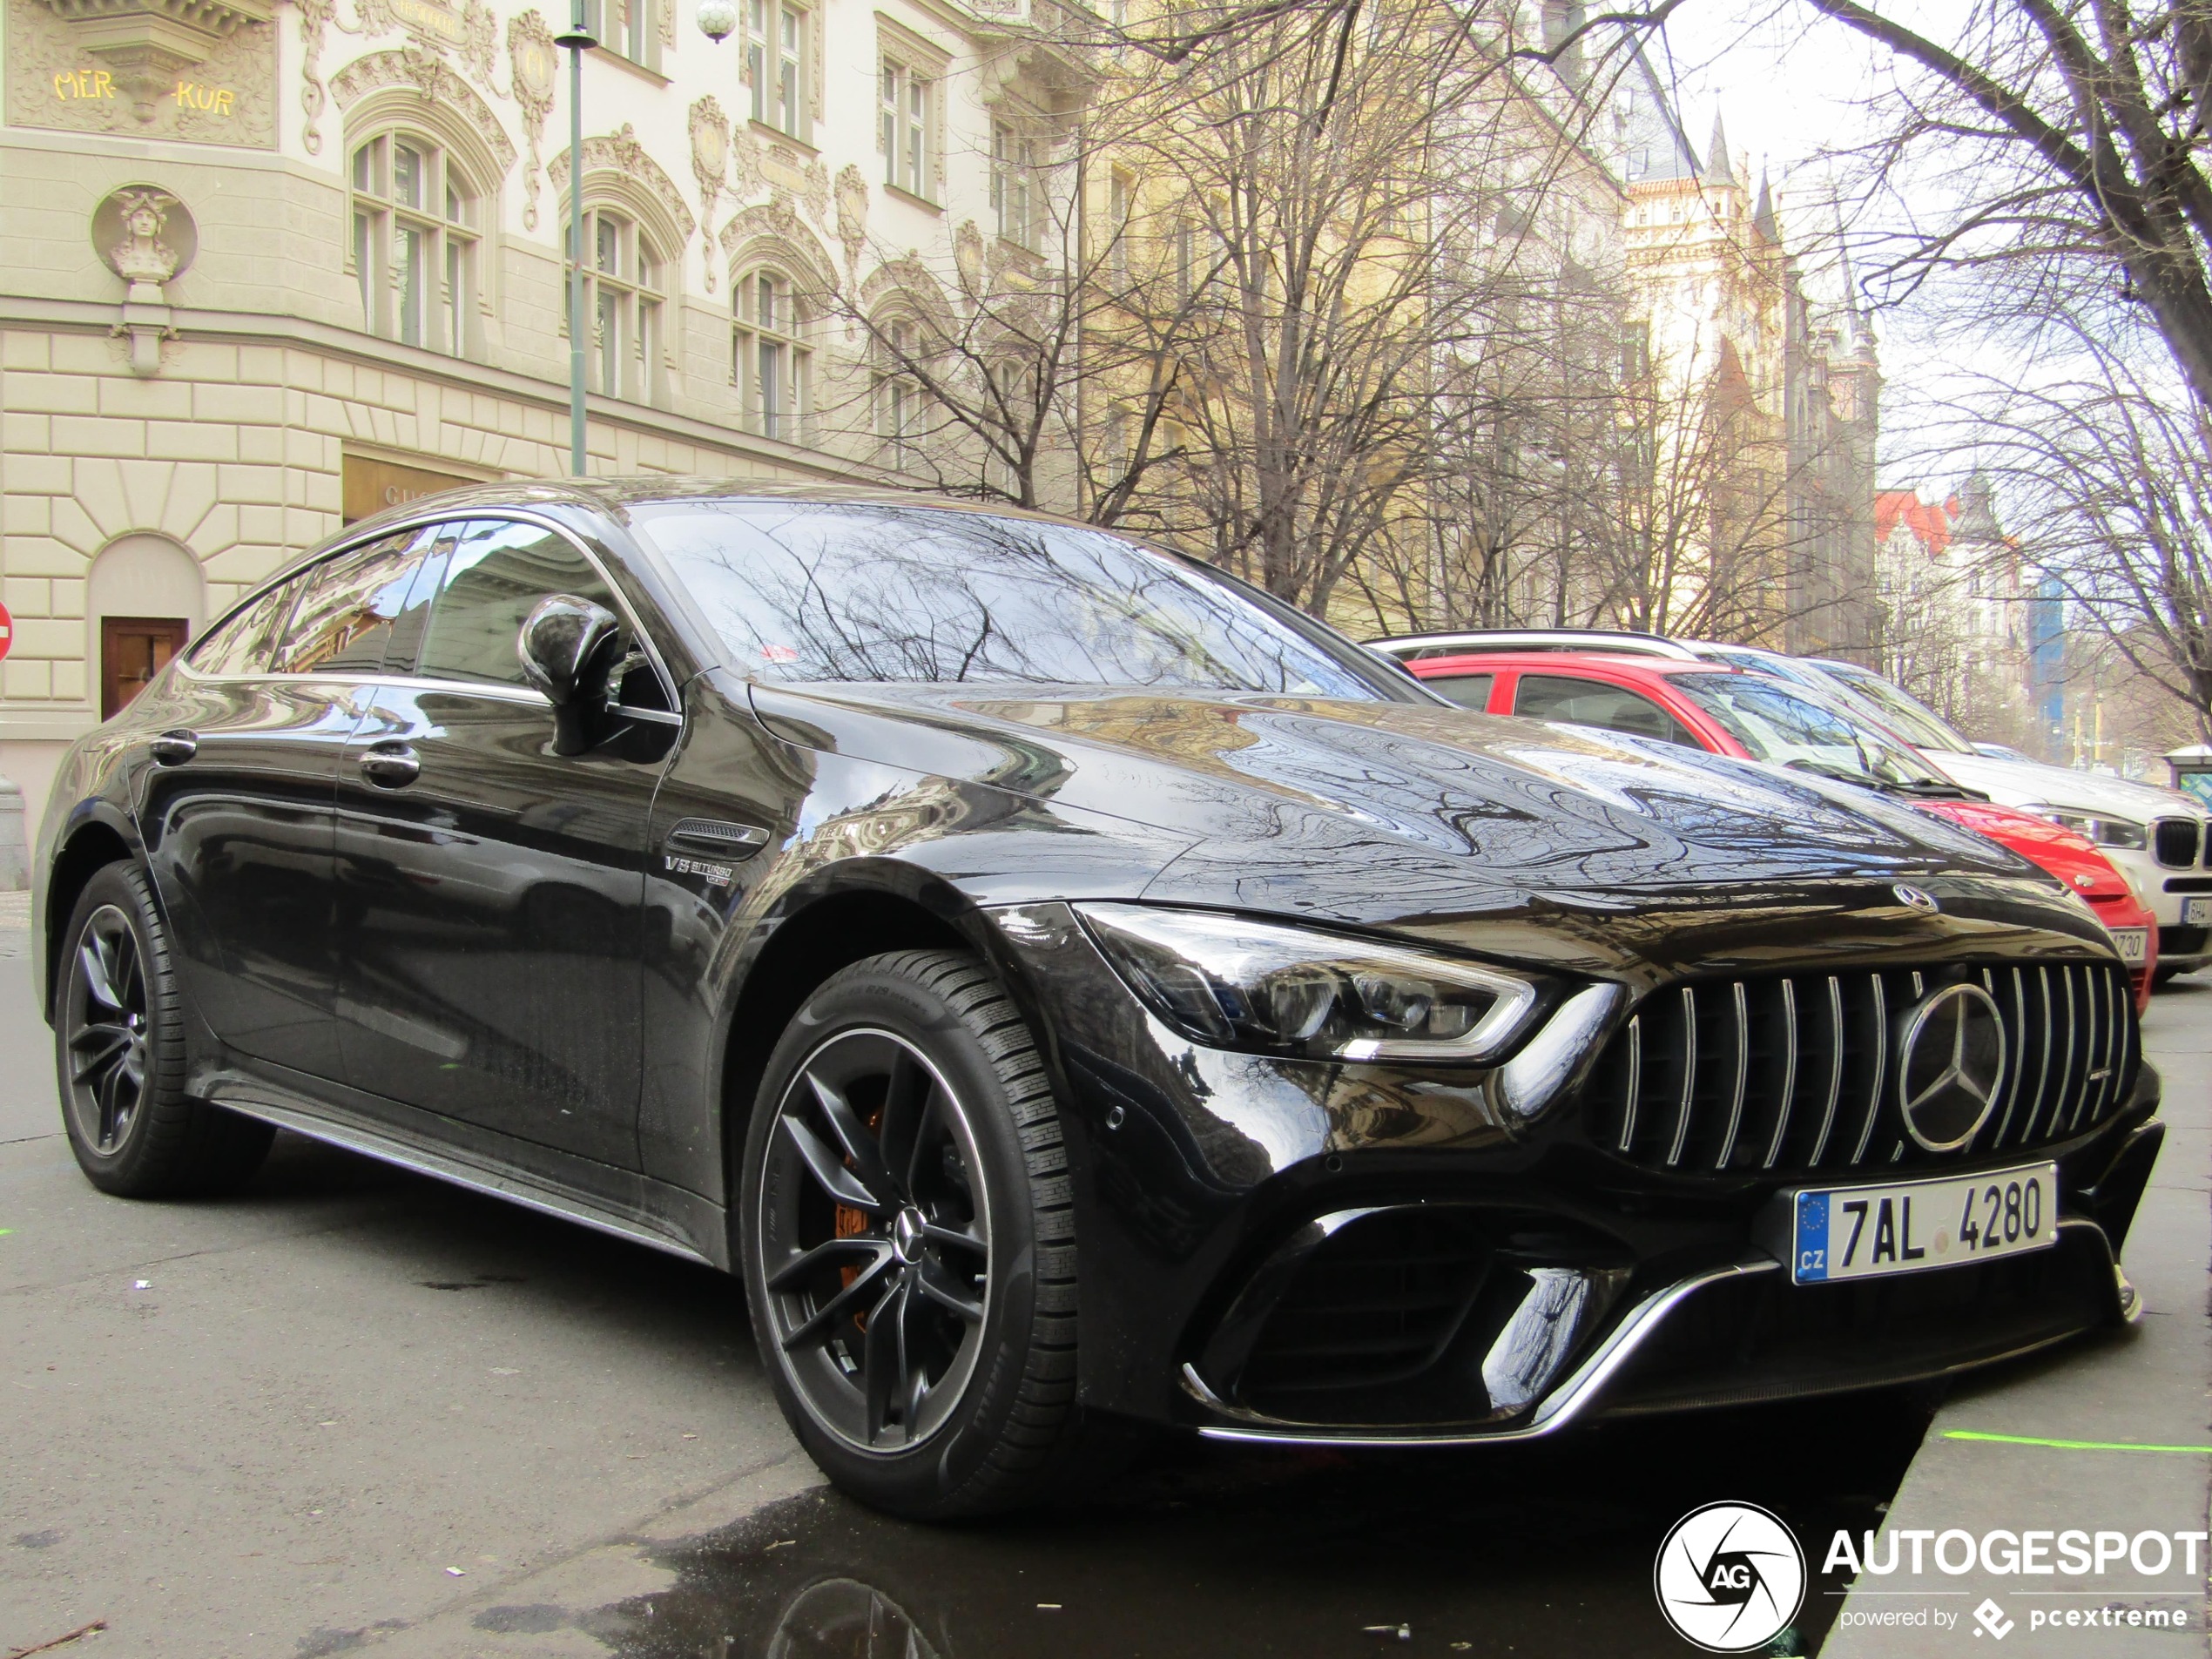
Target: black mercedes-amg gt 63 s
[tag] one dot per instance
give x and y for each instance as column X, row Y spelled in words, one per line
column 1075, row 991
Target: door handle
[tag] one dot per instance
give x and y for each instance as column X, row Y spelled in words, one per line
column 174, row 748
column 716, row 839
column 391, row 765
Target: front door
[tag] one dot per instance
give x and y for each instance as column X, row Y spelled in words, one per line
column 490, row 889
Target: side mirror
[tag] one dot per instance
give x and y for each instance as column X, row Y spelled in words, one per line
column 568, row 648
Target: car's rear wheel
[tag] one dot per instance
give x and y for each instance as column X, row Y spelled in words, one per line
column 119, row 1055
column 910, row 1241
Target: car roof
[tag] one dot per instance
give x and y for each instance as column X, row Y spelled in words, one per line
column 1538, row 662
column 1618, row 641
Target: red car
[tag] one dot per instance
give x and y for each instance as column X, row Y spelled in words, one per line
column 1754, row 717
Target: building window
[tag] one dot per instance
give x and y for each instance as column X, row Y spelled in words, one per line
column 415, row 242
column 769, row 363
column 626, row 27
column 623, row 282
column 1120, row 194
column 903, row 128
column 898, row 397
column 775, row 61
column 1014, row 184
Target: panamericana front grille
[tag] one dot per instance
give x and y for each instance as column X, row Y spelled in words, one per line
column 1801, row 1073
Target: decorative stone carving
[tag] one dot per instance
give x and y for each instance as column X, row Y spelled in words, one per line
column 533, row 64
column 710, row 165
column 851, row 216
column 621, row 153
column 815, row 190
column 145, row 236
column 315, row 17
column 200, row 71
column 466, row 30
column 437, row 81
column 969, row 258
column 744, row 159
column 781, row 233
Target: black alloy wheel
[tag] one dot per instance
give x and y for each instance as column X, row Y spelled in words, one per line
column 105, row 1045
column 119, row 1055
column 908, row 1242
column 878, row 1240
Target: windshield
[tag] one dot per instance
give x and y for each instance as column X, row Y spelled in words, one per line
column 1899, row 708
column 1775, row 723
column 810, row 591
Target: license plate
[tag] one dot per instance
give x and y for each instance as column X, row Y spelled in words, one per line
column 1869, row 1232
column 2134, row 943
column 2197, row 912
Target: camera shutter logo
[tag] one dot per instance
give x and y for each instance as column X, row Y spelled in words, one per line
column 1952, row 1067
column 1729, row 1577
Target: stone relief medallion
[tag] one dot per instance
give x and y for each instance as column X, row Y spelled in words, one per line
column 533, row 64
column 203, row 71
column 144, row 234
column 710, row 166
column 467, row 29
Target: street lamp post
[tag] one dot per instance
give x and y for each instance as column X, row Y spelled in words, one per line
column 579, row 39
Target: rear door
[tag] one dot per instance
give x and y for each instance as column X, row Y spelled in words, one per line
column 489, row 888
column 238, row 809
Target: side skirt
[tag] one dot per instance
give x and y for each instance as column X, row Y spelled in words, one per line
column 661, row 1217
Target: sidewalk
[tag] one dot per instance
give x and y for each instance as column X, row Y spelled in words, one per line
column 2148, row 1387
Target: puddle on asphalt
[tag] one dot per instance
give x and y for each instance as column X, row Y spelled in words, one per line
column 1535, row 1551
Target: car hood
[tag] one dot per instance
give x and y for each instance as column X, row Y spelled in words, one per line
column 2022, row 783
column 1422, row 819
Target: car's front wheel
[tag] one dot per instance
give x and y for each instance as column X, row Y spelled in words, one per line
column 119, row 1053
column 910, row 1241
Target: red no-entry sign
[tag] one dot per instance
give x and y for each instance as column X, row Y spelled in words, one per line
column 7, row 631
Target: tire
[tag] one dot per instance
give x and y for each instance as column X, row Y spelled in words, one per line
column 120, row 1055
column 905, row 1215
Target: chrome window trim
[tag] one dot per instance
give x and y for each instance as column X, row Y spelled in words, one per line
column 523, row 693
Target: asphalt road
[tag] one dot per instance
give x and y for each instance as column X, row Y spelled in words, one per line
column 354, row 1410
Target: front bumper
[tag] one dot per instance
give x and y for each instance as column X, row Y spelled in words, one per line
column 1305, row 1252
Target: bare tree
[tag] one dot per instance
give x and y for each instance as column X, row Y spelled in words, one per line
column 2073, row 135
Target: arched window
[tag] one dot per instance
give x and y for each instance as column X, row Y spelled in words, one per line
column 898, row 395
column 417, row 236
column 770, row 363
column 623, row 278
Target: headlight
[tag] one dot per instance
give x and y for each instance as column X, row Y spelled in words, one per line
column 1230, row 983
column 2105, row 831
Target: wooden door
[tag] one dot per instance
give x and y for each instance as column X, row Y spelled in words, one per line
column 133, row 650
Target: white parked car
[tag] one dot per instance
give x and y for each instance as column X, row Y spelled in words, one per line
column 2159, row 839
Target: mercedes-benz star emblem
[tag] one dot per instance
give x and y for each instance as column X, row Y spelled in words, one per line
column 1952, row 1067
column 1919, row 898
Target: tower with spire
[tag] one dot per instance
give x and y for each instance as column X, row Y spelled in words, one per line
column 1773, row 380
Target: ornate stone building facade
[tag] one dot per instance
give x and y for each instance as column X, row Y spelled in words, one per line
column 273, row 265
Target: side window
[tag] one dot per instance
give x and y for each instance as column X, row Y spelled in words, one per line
column 1613, row 708
column 247, row 643
column 1469, row 691
column 493, row 580
column 344, row 616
